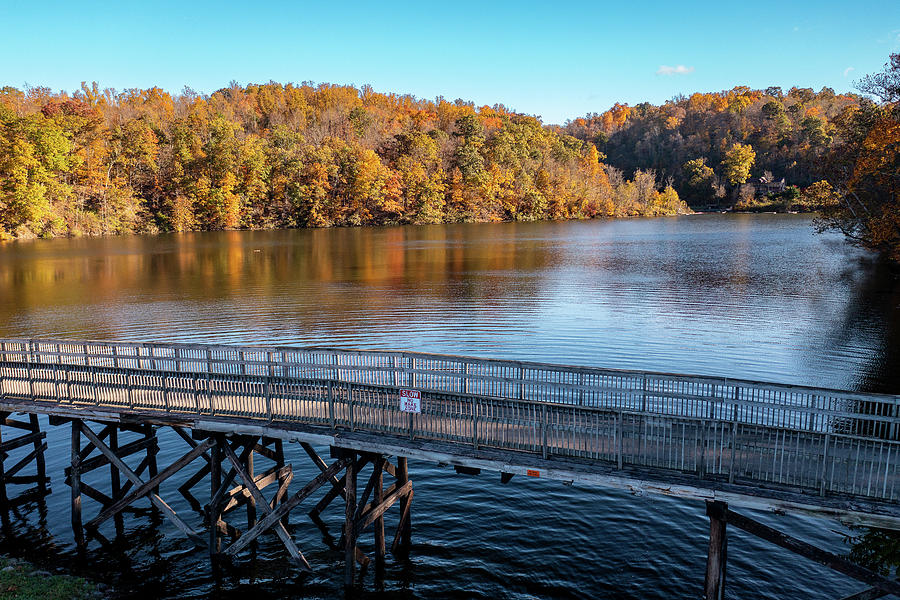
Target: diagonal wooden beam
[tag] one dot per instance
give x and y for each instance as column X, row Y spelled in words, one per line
column 866, row 594
column 145, row 488
column 832, row 561
column 238, row 495
column 375, row 477
column 279, row 527
column 127, row 450
column 21, row 464
column 404, row 522
column 337, row 490
column 320, row 462
column 368, row 518
column 229, row 477
column 132, row 476
column 285, row 507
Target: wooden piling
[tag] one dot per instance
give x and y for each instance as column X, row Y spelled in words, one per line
column 349, row 525
column 403, row 537
column 377, row 499
column 3, row 498
column 39, row 452
column 215, row 482
column 718, row 547
column 75, row 481
column 115, row 481
column 251, row 502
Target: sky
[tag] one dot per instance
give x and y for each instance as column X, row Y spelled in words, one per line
column 558, row 61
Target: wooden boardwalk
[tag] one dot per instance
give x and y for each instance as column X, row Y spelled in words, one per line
column 761, row 445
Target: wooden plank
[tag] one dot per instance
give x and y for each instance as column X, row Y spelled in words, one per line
column 14, row 423
column 24, row 440
column 132, row 476
column 279, row 527
column 22, row 463
column 147, row 487
column 832, row 561
column 284, row 508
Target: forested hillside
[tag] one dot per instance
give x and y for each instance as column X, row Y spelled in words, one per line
column 709, row 144
column 270, row 156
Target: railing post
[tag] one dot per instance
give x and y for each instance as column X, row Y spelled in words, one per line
column 394, row 371
column 544, row 450
column 734, row 430
column 350, row 405
column 643, row 392
column 331, row 403
column 474, row 425
column 521, row 383
column 619, row 435
column 824, row 481
column 412, row 373
column 465, row 380
column 30, row 370
column 128, row 387
column 165, row 387
column 209, row 394
column 269, row 398
column 196, row 384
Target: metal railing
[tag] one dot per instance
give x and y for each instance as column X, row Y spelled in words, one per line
column 815, row 440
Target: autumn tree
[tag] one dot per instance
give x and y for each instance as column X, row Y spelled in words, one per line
column 737, row 163
column 866, row 172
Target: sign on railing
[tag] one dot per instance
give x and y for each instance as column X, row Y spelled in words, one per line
column 411, row 401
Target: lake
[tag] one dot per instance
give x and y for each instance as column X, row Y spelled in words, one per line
column 747, row 296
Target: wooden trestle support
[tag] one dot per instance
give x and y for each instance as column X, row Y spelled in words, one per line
column 720, row 517
column 16, row 449
column 231, row 464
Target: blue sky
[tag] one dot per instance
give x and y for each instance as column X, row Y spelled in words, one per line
column 558, row 61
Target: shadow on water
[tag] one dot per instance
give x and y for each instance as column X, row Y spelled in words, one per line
column 873, row 315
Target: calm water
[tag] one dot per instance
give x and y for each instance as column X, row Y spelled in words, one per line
column 757, row 297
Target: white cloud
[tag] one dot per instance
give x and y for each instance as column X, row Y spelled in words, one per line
column 848, row 70
column 679, row 70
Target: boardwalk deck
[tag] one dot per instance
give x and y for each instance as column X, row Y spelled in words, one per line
column 748, row 443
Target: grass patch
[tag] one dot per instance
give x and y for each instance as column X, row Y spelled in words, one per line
column 21, row 581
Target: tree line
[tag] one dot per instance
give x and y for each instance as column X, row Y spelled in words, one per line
column 838, row 153
column 101, row 161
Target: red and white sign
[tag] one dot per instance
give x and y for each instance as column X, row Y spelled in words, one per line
column 411, row 401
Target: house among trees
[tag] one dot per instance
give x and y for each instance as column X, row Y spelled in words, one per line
column 767, row 185
column 762, row 187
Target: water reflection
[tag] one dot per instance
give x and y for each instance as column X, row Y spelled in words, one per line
column 738, row 295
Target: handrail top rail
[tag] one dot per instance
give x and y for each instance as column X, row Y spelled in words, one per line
column 482, row 398
column 558, row 367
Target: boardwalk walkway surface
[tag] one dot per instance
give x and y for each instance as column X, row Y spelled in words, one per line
column 747, row 443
